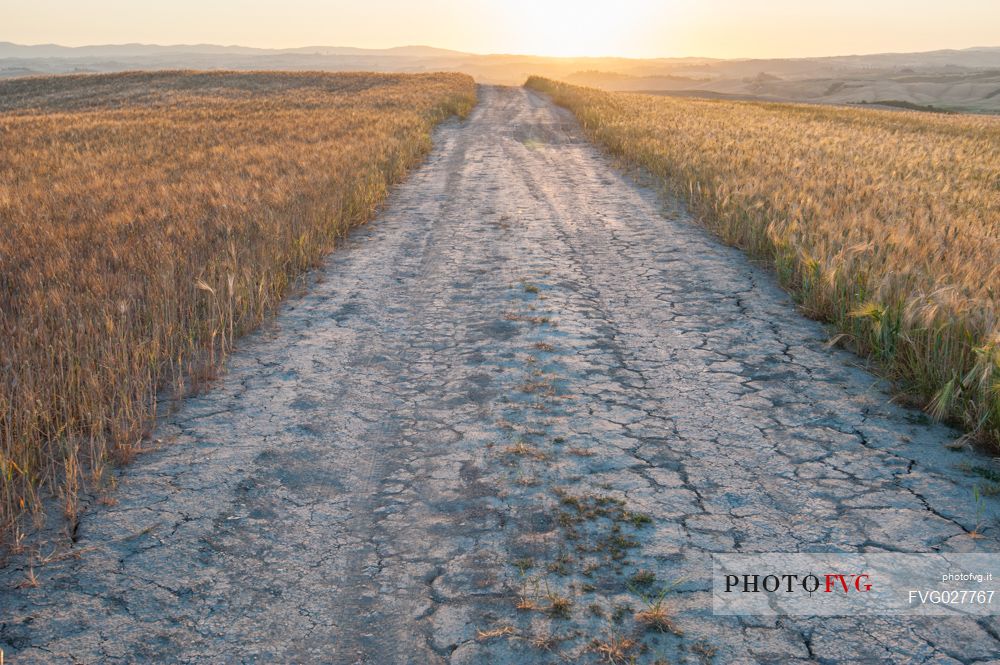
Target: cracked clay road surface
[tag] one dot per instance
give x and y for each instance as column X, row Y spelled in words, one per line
column 478, row 406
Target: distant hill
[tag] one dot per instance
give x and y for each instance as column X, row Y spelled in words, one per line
column 964, row 80
column 11, row 50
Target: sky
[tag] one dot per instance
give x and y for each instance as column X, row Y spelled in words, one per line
column 630, row 28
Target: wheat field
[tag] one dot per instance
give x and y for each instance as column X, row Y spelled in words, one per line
column 884, row 223
column 148, row 220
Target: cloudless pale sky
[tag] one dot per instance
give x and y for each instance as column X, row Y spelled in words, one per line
column 634, row 28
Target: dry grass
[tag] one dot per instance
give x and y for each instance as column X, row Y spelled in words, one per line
column 657, row 615
column 885, row 223
column 151, row 218
column 522, row 449
column 615, row 649
column 500, row 631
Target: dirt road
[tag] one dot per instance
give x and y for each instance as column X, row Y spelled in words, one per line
column 522, row 385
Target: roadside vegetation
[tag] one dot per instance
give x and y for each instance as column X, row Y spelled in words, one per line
column 884, row 223
column 148, row 220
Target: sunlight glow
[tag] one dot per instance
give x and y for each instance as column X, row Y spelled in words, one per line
column 628, row 28
column 583, row 27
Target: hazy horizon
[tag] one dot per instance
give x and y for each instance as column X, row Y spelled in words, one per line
column 480, row 53
column 726, row 29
